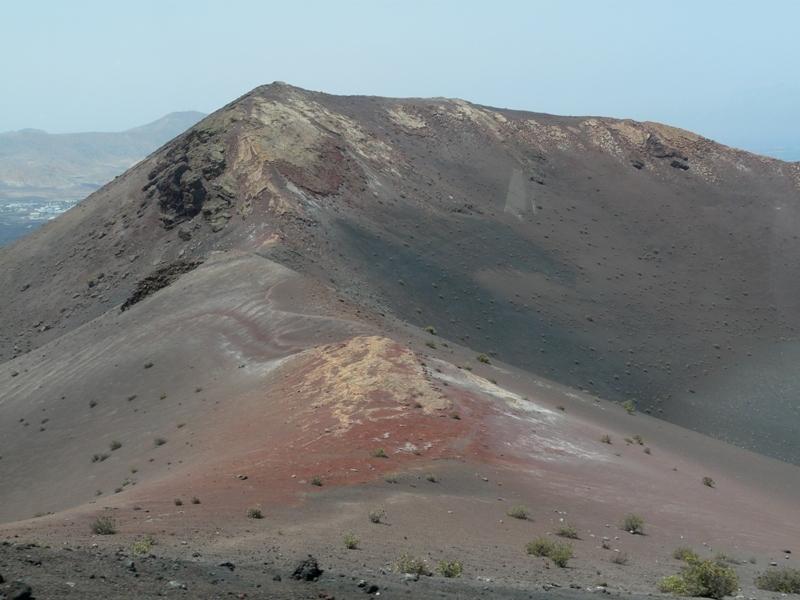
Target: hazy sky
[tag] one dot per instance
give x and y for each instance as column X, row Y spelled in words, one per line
column 727, row 69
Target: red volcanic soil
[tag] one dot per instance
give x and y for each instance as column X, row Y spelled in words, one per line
column 460, row 452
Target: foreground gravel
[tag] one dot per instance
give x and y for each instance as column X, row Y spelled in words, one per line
column 35, row 571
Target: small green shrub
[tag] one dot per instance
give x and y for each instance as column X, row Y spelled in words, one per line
column 708, row 482
column 178, row 502
column 449, row 568
column 518, row 512
column 784, row 580
column 379, row 453
column 705, row 579
column 432, row 478
column 195, row 500
column 99, row 457
column 377, row 515
column 673, row 584
column 541, row 546
column 638, row 439
column 104, row 526
column 317, row 481
column 567, row 531
column 629, row 406
column 685, row 554
column 351, row 541
column 412, row 565
column 255, row 513
column 390, row 479
column 431, row 329
column 159, row 441
column 482, row 358
column 606, row 439
column 633, row 524
column 431, row 345
column 560, row 554
column 143, row 545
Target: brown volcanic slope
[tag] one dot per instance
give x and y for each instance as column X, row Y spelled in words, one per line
column 243, row 312
column 633, row 260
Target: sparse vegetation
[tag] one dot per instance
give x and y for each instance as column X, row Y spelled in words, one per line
column 708, row 482
column 390, row 479
column 143, row 545
column 377, row 515
column 115, row 445
column 567, row 531
column 482, row 358
column 449, row 568
column 195, row 500
column 560, row 554
column 431, row 329
column 104, row 526
column 92, row 403
column 541, row 546
column 685, row 554
column 721, row 557
column 178, row 502
column 647, row 450
column 784, row 580
column 412, row 565
column 254, row 513
column 432, row 478
column 606, row 439
column 379, row 453
column 159, row 441
column 351, row 541
column 431, row 345
column 317, row 481
column 638, row 439
column 99, row 457
column 633, row 523
column 702, row 578
column 518, row 512
column 629, row 406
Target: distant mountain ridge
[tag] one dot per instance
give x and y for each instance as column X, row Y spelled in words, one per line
column 65, row 165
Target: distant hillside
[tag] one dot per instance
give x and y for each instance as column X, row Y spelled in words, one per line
column 37, row 163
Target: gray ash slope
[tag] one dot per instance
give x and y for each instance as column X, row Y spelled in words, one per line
column 634, row 260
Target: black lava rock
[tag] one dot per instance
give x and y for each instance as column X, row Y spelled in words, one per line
column 307, row 570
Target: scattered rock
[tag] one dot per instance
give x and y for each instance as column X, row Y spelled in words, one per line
column 177, row 585
column 159, row 279
column 307, row 570
column 18, row 590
